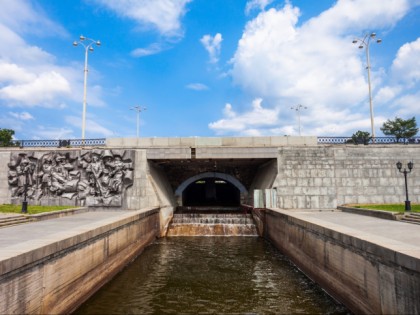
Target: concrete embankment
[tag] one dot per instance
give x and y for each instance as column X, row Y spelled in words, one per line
column 369, row 264
column 52, row 266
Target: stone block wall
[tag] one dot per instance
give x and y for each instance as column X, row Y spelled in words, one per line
column 323, row 177
column 5, row 195
column 366, row 277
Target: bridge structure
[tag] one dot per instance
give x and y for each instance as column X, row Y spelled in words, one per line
column 291, row 178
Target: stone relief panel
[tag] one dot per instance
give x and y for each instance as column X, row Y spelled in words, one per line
column 89, row 177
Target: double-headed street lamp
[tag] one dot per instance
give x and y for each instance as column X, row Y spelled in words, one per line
column 298, row 108
column 87, row 43
column 138, row 109
column 405, row 172
column 364, row 43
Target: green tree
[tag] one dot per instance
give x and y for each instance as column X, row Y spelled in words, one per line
column 6, row 136
column 400, row 128
column 361, row 137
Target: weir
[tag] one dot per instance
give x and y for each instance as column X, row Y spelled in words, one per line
column 293, row 186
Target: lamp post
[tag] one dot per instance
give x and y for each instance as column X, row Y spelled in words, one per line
column 138, row 109
column 364, row 43
column 25, row 190
column 298, row 108
column 405, row 172
column 87, row 43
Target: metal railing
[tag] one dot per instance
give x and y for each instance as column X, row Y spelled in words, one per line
column 376, row 140
column 56, row 143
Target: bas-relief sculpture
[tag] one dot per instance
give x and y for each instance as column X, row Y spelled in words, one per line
column 91, row 178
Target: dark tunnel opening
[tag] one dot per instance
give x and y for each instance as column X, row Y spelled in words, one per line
column 211, row 192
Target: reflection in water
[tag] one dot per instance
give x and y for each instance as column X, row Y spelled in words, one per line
column 193, row 275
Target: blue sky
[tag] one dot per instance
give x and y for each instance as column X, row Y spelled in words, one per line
column 206, row 67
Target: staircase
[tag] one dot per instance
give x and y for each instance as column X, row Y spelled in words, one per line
column 411, row 218
column 14, row 220
column 208, row 223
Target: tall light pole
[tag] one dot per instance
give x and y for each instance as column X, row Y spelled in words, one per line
column 298, row 108
column 138, row 109
column 87, row 43
column 364, row 43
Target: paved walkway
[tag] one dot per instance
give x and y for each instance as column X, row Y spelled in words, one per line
column 397, row 235
column 18, row 239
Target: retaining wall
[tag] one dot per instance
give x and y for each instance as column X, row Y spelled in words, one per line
column 56, row 277
column 364, row 276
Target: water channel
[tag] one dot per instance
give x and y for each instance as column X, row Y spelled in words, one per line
column 211, row 275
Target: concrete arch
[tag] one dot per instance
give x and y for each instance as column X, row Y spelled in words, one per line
column 226, row 177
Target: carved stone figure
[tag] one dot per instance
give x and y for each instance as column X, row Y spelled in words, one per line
column 93, row 178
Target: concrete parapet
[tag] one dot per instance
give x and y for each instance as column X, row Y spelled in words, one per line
column 193, row 142
column 55, row 273
column 367, row 272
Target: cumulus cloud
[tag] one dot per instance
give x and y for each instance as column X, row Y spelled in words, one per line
column 152, row 49
column 315, row 63
column 162, row 15
column 197, row 86
column 256, row 4
column 93, row 127
column 22, row 115
column 245, row 123
column 213, row 45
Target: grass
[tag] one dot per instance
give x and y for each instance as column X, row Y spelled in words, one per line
column 388, row 207
column 32, row 209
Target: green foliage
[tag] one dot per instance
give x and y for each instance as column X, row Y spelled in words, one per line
column 400, row 128
column 31, row 208
column 6, row 137
column 388, row 207
column 361, row 137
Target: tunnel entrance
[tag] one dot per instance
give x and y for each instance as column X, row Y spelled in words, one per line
column 211, row 192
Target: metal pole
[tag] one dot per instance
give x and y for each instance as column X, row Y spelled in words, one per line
column 370, row 90
column 299, row 120
column 138, row 109
column 407, row 202
column 25, row 193
column 138, row 123
column 84, row 93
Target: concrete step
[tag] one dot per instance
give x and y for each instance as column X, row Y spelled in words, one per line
column 411, row 218
column 14, row 220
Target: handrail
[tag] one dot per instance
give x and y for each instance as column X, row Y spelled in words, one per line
column 376, row 140
column 56, row 143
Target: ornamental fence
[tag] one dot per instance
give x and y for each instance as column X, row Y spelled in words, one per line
column 55, row 143
column 376, row 140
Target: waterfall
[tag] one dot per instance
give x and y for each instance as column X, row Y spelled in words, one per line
column 212, row 224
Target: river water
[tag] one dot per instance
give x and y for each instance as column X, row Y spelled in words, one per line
column 211, row 275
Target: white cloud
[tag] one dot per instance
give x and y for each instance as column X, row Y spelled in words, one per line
column 43, row 88
column 51, row 133
column 22, row 115
column 315, row 63
column 197, row 86
column 162, row 15
column 256, row 4
column 406, row 65
column 213, row 46
column 247, row 122
column 152, row 49
column 93, row 128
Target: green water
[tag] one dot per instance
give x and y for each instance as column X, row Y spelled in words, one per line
column 211, row 275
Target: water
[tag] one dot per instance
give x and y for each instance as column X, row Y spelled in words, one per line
column 211, row 275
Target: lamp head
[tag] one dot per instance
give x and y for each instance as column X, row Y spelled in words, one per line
column 75, row 43
column 361, row 46
column 379, row 40
column 98, row 43
column 91, row 48
column 82, row 37
column 372, row 35
column 354, row 41
column 410, row 165
column 399, row 165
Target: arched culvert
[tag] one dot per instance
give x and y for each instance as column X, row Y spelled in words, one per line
column 211, row 189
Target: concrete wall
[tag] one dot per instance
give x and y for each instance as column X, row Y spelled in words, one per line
column 194, row 142
column 367, row 278
column 56, row 278
column 321, row 177
column 5, row 195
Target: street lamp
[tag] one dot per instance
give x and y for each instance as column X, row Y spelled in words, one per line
column 298, row 108
column 87, row 43
column 364, row 43
column 405, row 172
column 138, row 109
column 25, row 190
